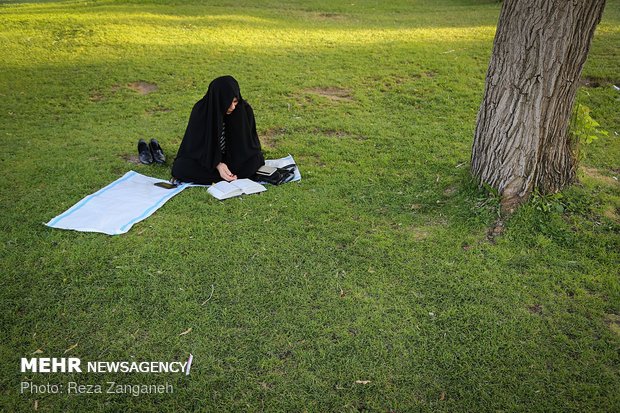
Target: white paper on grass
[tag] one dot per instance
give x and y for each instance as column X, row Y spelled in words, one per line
column 115, row 208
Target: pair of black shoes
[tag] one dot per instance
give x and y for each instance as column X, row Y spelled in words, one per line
column 150, row 153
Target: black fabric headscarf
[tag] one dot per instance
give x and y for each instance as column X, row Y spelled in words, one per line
column 201, row 139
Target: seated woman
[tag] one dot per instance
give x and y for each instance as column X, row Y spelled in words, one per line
column 220, row 141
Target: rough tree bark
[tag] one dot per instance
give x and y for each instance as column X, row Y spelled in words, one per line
column 521, row 140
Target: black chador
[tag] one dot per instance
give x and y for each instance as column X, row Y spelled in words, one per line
column 213, row 137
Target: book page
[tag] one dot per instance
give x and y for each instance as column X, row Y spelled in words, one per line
column 224, row 190
column 223, row 187
column 247, row 186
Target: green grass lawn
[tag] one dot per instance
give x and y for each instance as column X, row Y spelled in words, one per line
column 371, row 285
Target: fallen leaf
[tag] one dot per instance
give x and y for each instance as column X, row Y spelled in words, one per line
column 442, row 396
column 362, row 381
column 210, row 295
column 189, row 330
column 36, row 405
column 341, row 292
column 37, row 351
column 71, row 348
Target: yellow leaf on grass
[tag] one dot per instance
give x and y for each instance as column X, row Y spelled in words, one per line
column 71, row 348
column 37, row 351
column 189, row 330
column 362, row 381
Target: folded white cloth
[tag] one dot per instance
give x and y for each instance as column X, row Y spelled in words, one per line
column 114, row 209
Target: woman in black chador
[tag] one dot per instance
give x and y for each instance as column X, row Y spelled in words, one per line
column 220, row 141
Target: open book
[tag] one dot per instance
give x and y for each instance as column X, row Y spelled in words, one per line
column 224, row 190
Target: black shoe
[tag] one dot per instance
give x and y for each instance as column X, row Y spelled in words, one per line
column 144, row 153
column 157, row 151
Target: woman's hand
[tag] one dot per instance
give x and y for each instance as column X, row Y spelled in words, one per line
column 225, row 173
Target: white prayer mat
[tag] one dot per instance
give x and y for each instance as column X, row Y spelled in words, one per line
column 114, row 209
column 130, row 199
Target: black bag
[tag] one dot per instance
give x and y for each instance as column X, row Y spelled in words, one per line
column 280, row 176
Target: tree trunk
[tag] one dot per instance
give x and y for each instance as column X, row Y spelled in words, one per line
column 521, row 140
